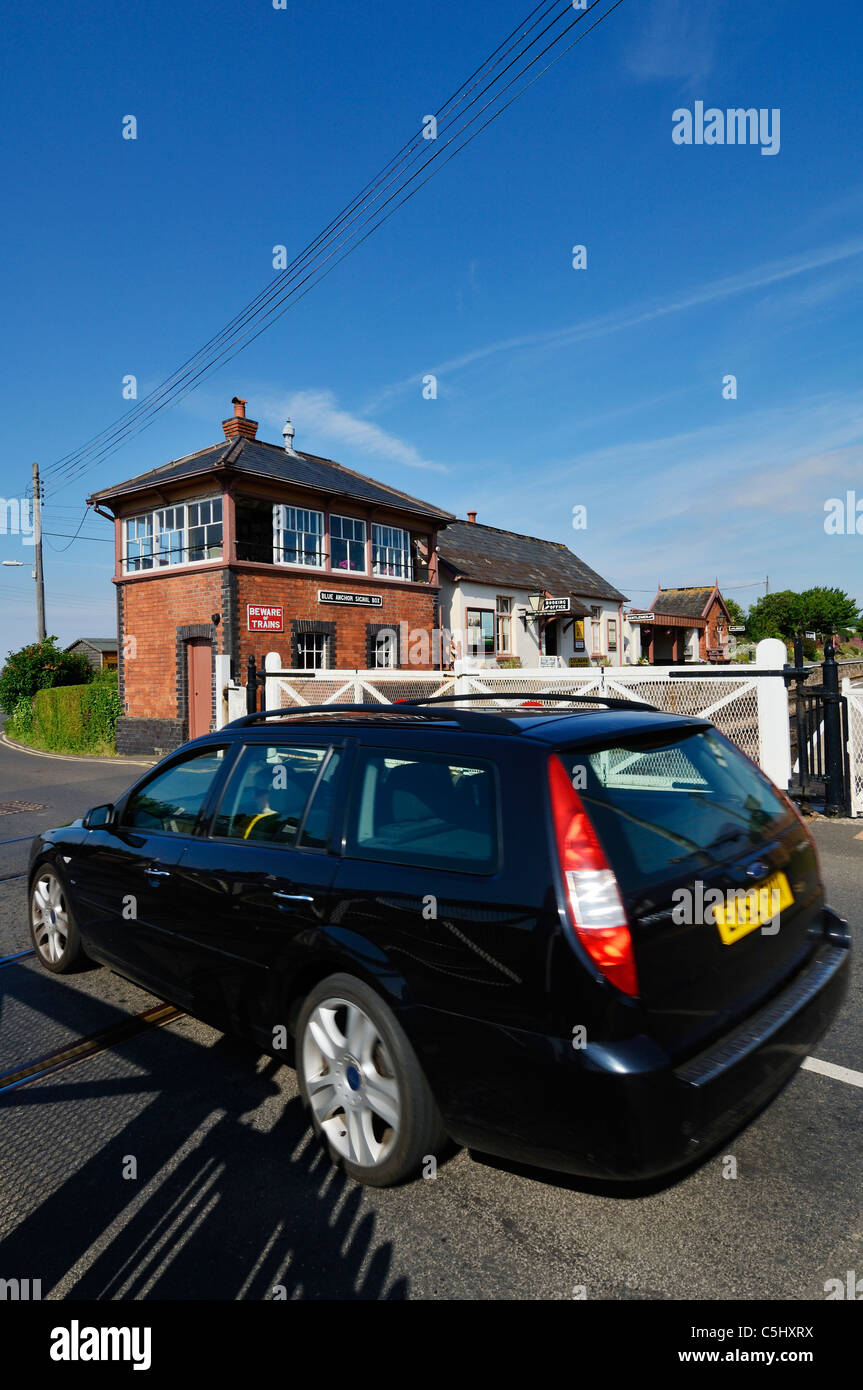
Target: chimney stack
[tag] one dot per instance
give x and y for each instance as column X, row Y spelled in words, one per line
column 471, row 516
column 238, row 424
column 288, row 436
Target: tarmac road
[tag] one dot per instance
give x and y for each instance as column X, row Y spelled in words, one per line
column 177, row 1165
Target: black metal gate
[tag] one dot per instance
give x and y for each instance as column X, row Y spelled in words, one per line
column 819, row 734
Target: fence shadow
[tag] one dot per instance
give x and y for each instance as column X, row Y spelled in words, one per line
column 219, row 1209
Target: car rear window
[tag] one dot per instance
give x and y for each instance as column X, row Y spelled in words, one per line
column 668, row 804
column 424, row 809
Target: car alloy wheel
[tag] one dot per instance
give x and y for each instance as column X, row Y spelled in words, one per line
column 350, row 1083
column 49, row 918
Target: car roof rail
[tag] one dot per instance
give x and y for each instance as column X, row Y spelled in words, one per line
column 480, row 720
column 533, row 697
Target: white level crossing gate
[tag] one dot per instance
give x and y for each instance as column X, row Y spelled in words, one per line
column 854, row 698
column 751, row 709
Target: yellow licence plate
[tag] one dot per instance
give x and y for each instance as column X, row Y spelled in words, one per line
column 747, row 909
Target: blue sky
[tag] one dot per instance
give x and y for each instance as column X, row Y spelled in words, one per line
column 556, row 387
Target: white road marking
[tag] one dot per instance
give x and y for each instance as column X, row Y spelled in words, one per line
column 853, row 1078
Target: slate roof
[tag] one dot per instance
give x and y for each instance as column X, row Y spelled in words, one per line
column 99, row 644
column 254, row 457
column 491, row 556
column 683, row 603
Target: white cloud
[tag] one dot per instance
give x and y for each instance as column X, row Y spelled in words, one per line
column 674, row 39
column 317, row 417
column 770, row 273
column 735, row 499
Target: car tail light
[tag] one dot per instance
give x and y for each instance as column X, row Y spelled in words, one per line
column 595, row 906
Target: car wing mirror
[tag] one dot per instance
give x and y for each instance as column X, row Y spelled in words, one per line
column 100, row 817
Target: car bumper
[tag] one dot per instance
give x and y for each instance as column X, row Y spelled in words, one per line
column 622, row 1111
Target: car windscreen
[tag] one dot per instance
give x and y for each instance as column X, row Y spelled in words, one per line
column 667, row 804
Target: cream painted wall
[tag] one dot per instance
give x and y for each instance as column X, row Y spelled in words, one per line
column 457, row 598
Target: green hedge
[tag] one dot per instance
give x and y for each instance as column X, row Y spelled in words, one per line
column 70, row 718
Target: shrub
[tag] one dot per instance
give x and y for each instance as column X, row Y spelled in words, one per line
column 40, row 666
column 20, row 721
column 77, row 718
column 103, row 706
column 509, row 663
column 60, row 721
column 744, row 653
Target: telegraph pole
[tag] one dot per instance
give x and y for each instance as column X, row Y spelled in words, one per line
column 37, row 566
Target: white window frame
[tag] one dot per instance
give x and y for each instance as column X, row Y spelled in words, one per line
column 151, row 517
column 502, row 621
column 167, row 559
column 349, row 540
column 595, row 629
column 480, row 650
column 397, row 556
column 137, row 539
column 390, row 650
column 314, row 637
column 205, row 526
column 280, row 513
column 609, row 623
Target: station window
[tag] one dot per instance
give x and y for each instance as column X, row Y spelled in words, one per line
column 347, row 544
column 596, row 627
column 205, row 529
column 385, row 652
column 480, row 632
column 176, row 535
column 171, row 536
column 299, row 536
column 139, row 543
column 312, row 651
column 503, row 625
column 391, row 552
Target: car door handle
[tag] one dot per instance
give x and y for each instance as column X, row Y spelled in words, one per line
column 157, row 873
column 294, row 897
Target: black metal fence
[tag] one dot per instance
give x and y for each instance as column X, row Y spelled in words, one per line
column 819, row 734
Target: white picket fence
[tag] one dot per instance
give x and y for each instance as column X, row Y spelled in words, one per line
column 751, row 710
column 854, row 696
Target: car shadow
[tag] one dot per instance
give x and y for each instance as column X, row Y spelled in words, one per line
column 220, row 1207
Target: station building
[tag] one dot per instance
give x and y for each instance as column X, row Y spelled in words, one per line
column 507, row 596
column 246, row 547
column 683, row 625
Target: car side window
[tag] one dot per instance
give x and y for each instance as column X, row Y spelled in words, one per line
column 424, row 809
column 268, row 792
column 316, row 829
column 172, row 800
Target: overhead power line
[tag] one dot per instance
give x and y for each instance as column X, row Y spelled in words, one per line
column 312, row 265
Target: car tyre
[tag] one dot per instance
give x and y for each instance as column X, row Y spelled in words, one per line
column 362, row 1084
column 56, row 939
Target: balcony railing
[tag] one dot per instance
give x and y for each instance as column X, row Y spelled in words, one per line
column 264, row 553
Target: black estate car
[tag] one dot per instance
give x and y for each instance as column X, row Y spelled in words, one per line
column 591, row 937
